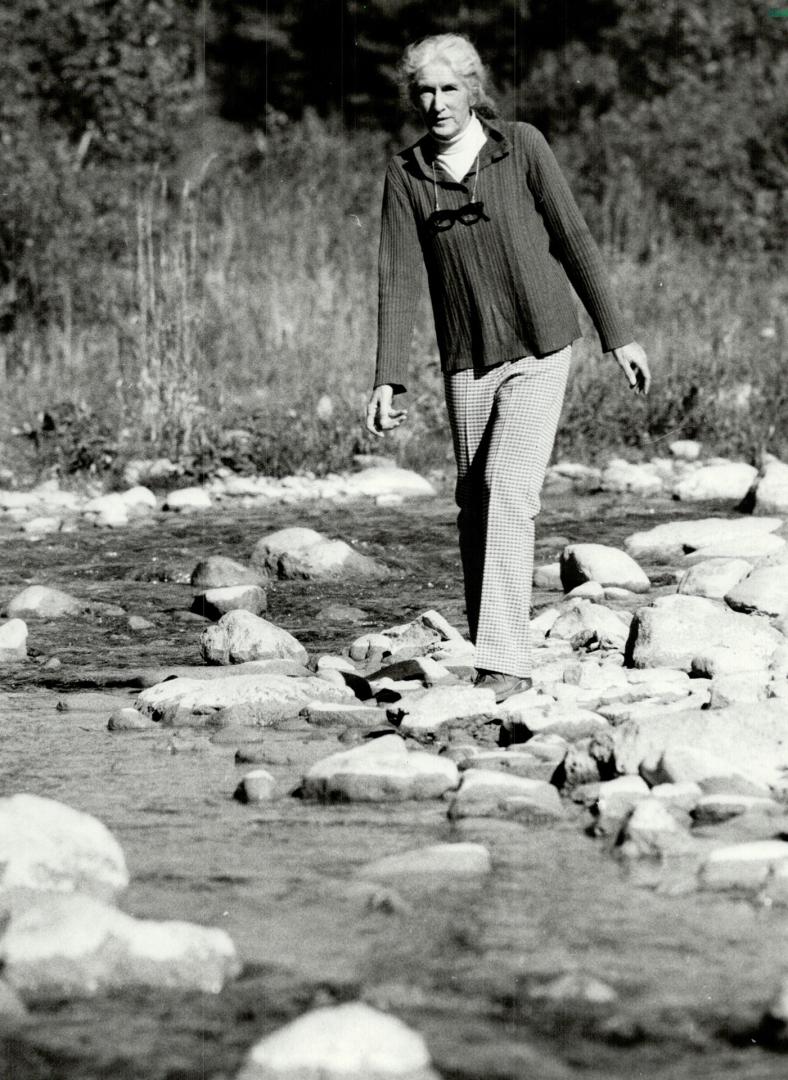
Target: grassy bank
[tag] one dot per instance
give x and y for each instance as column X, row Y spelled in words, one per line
column 235, row 324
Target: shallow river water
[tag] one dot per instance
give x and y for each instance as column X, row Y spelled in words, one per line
column 693, row 971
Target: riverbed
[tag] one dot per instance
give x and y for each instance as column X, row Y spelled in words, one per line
column 464, row 964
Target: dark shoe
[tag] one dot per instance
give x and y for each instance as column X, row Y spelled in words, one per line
column 503, row 686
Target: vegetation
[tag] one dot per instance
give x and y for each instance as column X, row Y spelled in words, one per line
column 188, row 246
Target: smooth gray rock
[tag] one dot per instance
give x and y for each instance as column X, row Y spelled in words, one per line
column 581, row 563
column 771, row 493
column 340, row 1042
column 711, row 809
column 298, row 552
column 43, row 602
column 240, row 636
column 382, row 770
column 388, row 480
column 729, row 482
column 62, row 946
column 652, row 830
column 13, row 641
column 745, row 866
column 213, row 603
column 424, row 715
column 697, row 745
column 713, row 578
column 584, row 616
column 187, row 499
column 350, row 714
column 257, row 786
column 675, row 538
column 674, row 629
column 488, row 793
column 441, row 861
column 763, row 592
column 47, row 845
column 218, row 572
column 128, row 719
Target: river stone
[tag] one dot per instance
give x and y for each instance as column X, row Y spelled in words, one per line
column 745, row 866
column 128, row 719
column 619, row 796
column 584, row 616
column 738, row 686
column 61, row 947
column 685, row 449
column 265, row 697
column 426, row 714
column 675, row 538
column 219, row 572
column 13, row 641
column 629, row 477
column 43, row 602
column 589, row 590
column 189, row 498
column 713, row 578
column 590, row 675
column 600, row 563
column 139, row 499
column 423, row 634
column 341, row 1042
column 771, row 494
column 674, row 629
column 762, row 592
column 442, row 861
column 422, row 668
column 683, row 796
column 240, row 635
column 348, row 714
column 214, row 603
column 381, row 770
column 304, row 553
column 548, row 576
column 489, row 793
column 388, row 480
column 729, row 481
column 517, row 762
column 257, row 786
column 652, row 830
column 47, row 845
column 712, row 809
column 700, row 744
column 754, row 548
column 110, row 510
column 552, row 719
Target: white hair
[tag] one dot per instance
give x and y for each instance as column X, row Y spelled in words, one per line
column 461, row 56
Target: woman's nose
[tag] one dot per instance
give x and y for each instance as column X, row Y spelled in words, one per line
column 438, row 104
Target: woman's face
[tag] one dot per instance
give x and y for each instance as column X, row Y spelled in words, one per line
column 443, row 100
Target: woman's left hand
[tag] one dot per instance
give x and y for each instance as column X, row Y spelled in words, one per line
column 633, row 362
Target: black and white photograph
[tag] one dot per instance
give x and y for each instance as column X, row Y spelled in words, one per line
column 393, row 540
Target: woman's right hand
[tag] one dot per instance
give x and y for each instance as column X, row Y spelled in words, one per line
column 381, row 416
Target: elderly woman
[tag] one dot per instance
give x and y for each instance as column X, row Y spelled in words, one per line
column 484, row 206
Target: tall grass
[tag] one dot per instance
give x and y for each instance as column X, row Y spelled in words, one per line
column 236, row 325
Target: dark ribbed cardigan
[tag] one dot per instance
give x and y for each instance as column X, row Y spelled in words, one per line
column 498, row 285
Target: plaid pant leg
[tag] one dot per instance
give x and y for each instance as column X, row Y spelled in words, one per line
column 503, row 426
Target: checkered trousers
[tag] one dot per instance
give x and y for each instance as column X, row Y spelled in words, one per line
column 503, row 422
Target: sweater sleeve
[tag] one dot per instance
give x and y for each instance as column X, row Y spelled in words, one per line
column 399, row 283
column 579, row 254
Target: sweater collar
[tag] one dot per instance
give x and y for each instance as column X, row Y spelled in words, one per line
column 496, row 147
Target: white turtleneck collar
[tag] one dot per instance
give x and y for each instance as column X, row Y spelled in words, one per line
column 458, row 154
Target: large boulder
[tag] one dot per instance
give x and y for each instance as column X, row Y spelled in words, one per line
column 298, row 552
column 763, row 592
column 728, row 481
column 702, row 745
column 254, row 699
column 13, row 641
column 673, row 630
column 382, row 770
column 771, row 494
column 57, row 947
column 47, row 845
column 340, row 1042
column 599, row 562
column 675, row 538
column 241, row 635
